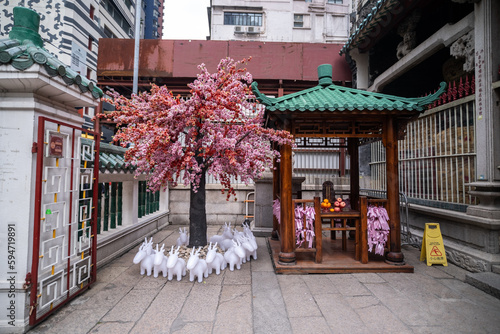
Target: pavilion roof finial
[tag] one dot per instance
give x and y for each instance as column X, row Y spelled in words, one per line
column 325, row 74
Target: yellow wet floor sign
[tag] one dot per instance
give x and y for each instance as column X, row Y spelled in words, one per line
column 432, row 245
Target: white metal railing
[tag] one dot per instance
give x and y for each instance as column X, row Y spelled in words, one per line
column 437, row 158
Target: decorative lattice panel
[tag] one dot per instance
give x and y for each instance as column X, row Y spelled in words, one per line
column 64, row 239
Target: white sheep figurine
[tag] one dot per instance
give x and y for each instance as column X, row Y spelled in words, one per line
column 225, row 244
column 196, row 266
column 226, row 235
column 215, row 260
column 227, row 241
column 247, row 246
column 160, row 262
column 145, row 257
column 176, row 265
column 234, row 255
column 183, row 239
column 253, row 242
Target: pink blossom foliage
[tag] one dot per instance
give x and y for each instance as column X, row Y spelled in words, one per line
column 217, row 130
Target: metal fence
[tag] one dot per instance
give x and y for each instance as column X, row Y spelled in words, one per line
column 437, row 158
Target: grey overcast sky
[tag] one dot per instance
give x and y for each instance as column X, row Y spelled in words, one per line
column 185, row 19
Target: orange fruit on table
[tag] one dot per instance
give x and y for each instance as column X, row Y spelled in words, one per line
column 332, row 209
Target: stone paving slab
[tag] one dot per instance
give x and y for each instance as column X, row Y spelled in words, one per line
column 254, row 299
column 299, row 300
column 234, row 312
column 164, row 309
column 269, row 312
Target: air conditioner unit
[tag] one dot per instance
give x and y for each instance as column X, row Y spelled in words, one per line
column 238, row 30
column 253, row 30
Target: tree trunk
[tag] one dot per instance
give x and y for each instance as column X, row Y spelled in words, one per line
column 198, row 215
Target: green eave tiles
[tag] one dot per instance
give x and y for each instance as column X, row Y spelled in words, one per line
column 381, row 8
column 338, row 98
column 22, row 55
column 111, row 158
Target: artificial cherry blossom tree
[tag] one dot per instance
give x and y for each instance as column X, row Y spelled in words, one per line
column 217, row 131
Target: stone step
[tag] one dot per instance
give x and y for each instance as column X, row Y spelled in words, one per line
column 495, row 268
column 489, row 282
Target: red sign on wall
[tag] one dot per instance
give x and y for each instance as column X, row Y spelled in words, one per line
column 56, row 145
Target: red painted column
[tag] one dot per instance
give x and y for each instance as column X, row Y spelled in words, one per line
column 287, row 254
column 276, row 193
column 353, row 148
column 395, row 255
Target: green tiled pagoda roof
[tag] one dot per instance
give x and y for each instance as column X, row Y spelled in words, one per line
column 337, row 98
column 24, row 47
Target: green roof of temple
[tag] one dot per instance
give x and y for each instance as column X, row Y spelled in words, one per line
column 329, row 97
column 24, row 47
column 378, row 13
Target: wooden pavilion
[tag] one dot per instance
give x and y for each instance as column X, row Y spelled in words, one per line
column 329, row 111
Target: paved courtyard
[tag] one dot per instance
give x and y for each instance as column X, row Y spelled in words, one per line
column 254, row 300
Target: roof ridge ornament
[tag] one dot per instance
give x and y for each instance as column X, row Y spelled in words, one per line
column 423, row 101
column 325, row 74
column 26, row 25
column 261, row 97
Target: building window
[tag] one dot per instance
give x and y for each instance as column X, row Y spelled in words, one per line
column 243, row 19
column 298, row 21
column 89, row 46
column 108, row 33
column 91, row 13
column 113, row 10
column 336, row 1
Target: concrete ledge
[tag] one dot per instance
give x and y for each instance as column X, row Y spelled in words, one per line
column 468, row 258
column 487, row 282
column 112, row 245
column 262, row 231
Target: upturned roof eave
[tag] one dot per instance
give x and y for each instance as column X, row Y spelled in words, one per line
column 341, row 99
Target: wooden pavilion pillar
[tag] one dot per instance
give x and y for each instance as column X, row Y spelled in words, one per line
column 353, row 149
column 395, row 255
column 287, row 254
column 275, row 234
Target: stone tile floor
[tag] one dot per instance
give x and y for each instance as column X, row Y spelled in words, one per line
column 255, row 300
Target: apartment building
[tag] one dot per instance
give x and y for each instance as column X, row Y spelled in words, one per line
column 153, row 19
column 309, row 21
